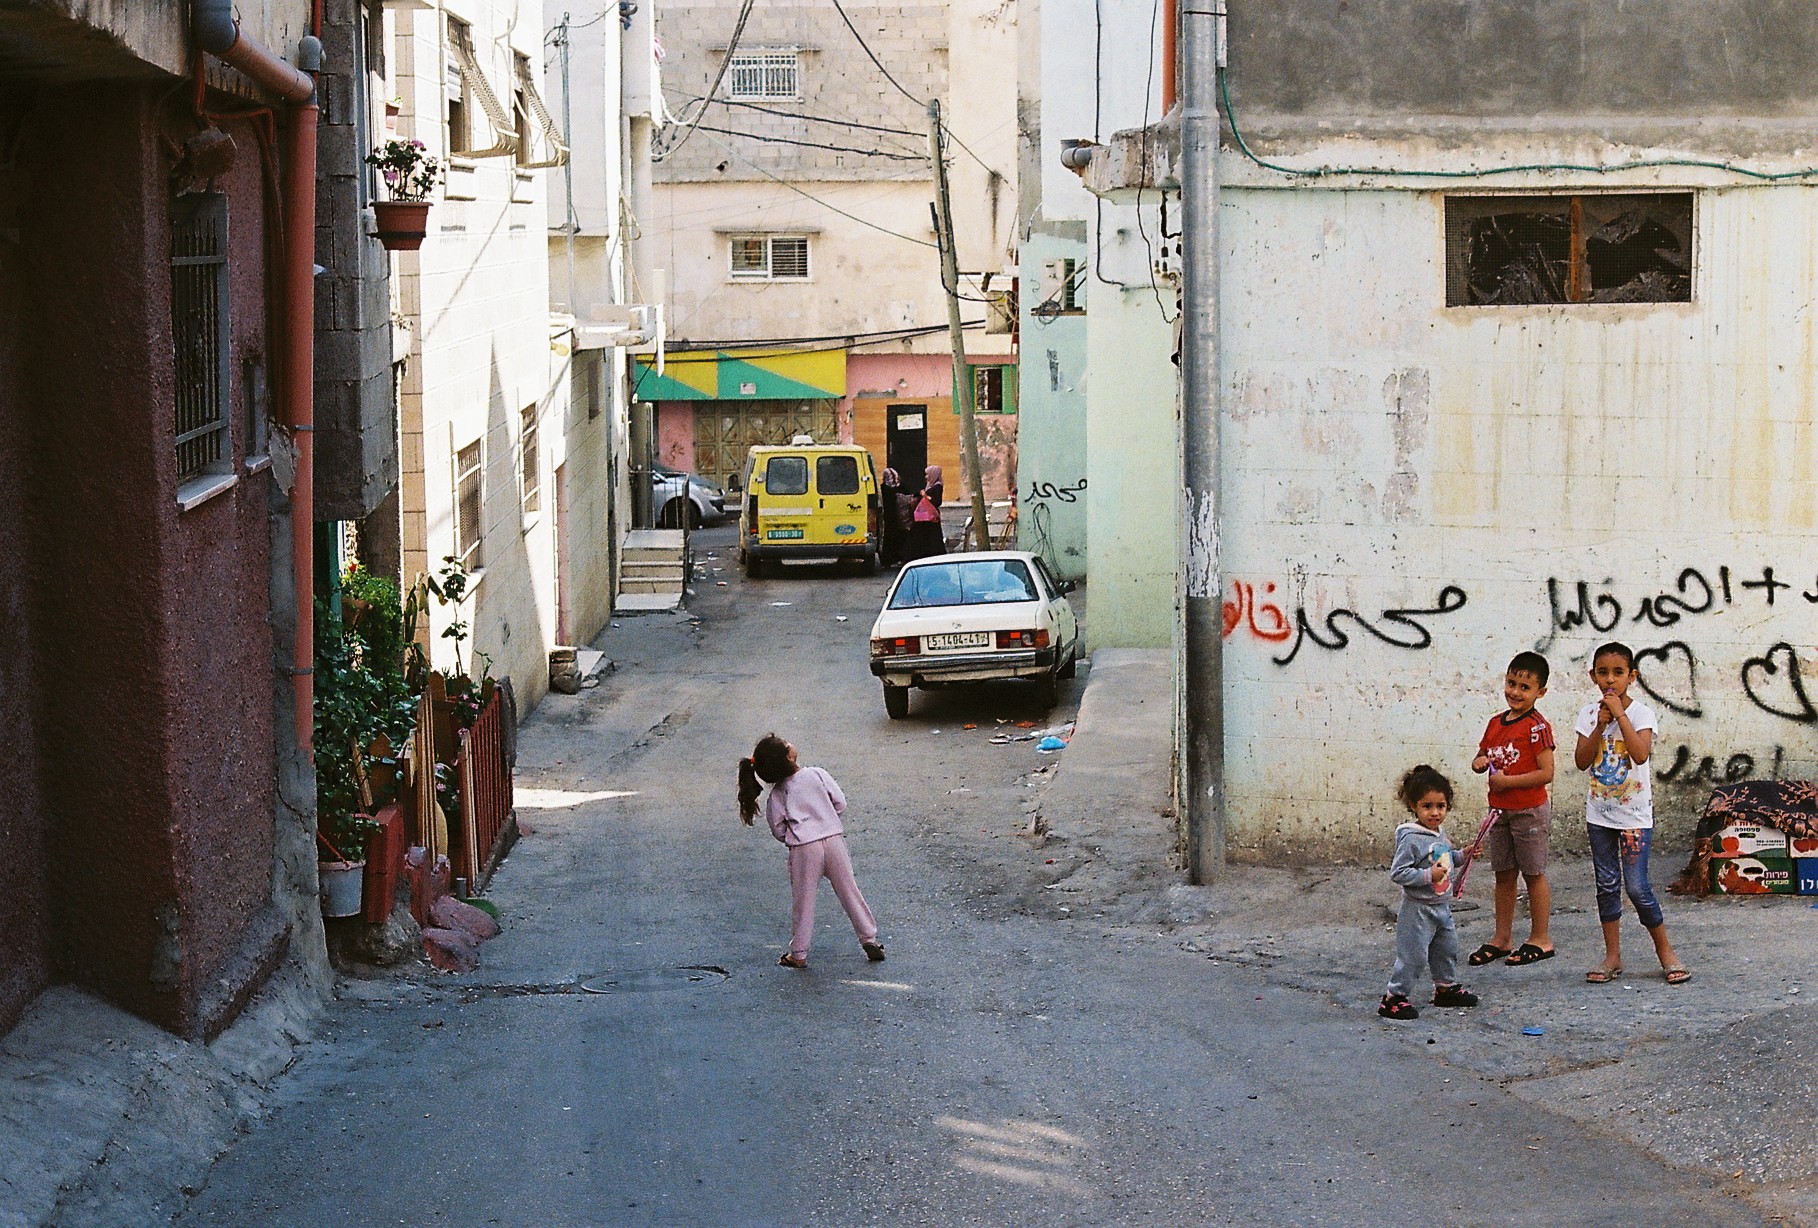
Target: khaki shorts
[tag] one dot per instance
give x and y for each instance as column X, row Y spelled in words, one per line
column 1521, row 840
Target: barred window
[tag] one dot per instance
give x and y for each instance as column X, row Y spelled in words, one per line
column 200, row 329
column 770, row 257
column 469, row 505
column 759, row 75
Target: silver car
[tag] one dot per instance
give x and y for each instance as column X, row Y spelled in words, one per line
column 675, row 494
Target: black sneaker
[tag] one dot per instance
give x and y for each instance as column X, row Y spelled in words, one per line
column 1453, row 995
column 1394, row 1006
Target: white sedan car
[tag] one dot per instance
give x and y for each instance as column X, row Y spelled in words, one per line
column 959, row 618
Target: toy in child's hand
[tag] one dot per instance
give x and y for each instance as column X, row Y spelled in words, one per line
column 1470, row 852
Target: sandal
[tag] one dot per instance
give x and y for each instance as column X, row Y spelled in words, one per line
column 1677, row 974
column 792, row 960
column 874, row 951
column 1602, row 976
column 1488, row 953
column 1453, row 995
column 1394, row 1006
column 1528, row 953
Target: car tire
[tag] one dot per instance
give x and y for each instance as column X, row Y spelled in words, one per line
column 896, row 701
column 871, row 563
column 754, row 566
column 671, row 515
column 1047, row 689
column 694, row 516
column 1072, row 666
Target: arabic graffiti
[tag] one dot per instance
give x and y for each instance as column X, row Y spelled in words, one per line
column 1594, row 605
column 1268, row 621
column 1739, row 766
column 1048, row 490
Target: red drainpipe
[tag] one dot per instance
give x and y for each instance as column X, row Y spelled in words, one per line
column 1169, row 56
column 217, row 32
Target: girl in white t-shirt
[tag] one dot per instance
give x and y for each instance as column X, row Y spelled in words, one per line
column 1615, row 740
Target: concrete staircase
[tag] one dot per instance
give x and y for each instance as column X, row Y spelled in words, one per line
column 652, row 570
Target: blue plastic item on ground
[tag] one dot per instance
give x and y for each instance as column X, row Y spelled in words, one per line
column 1050, row 743
column 1533, row 1031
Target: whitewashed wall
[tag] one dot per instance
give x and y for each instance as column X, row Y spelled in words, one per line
column 477, row 296
column 1520, row 477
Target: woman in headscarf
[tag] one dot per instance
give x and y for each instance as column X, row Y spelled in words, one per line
column 925, row 536
column 892, row 519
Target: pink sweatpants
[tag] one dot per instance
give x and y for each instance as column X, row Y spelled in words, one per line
column 808, row 864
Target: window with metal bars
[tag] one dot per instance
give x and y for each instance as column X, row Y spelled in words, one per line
column 770, row 257
column 200, row 330
column 764, row 75
column 994, row 389
column 470, row 477
column 530, row 477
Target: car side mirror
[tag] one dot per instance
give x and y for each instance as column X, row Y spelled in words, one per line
column 1065, row 587
column 733, row 485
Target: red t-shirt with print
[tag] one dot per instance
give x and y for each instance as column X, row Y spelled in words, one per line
column 1513, row 748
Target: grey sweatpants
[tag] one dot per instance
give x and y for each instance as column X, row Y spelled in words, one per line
column 1425, row 936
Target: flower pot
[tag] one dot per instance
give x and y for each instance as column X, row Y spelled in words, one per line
column 341, row 886
column 402, row 224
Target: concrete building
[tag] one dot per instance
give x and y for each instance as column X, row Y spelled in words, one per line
column 485, row 417
column 792, row 213
column 1515, row 352
column 156, row 808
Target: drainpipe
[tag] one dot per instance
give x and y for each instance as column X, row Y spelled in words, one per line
column 1203, row 664
column 215, row 31
column 1170, row 54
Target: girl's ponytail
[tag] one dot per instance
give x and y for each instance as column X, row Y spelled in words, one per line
column 749, row 788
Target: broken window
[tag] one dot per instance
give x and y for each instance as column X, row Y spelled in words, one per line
column 1616, row 248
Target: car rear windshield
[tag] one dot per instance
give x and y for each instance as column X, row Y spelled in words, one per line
column 786, row 475
column 979, row 583
column 837, row 475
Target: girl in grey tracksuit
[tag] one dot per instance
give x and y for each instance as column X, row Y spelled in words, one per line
column 1425, row 934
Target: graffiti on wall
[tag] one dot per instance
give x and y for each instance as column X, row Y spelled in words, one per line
column 1674, row 675
column 1039, row 491
column 1260, row 616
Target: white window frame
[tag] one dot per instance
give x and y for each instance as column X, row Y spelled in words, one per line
column 471, row 553
column 767, row 272
column 765, row 74
column 530, row 465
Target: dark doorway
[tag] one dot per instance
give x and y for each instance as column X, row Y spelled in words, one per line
column 906, row 444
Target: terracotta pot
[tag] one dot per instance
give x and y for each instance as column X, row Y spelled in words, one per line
column 402, row 224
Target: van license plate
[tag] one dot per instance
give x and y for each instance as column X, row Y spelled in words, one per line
column 783, row 534
column 959, row 639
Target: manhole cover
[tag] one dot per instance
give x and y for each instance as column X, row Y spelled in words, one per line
column 652, row 980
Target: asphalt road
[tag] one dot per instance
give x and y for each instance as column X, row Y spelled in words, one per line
column 1004, row 1066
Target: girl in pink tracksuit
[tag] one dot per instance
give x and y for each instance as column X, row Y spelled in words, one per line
column 803, row 811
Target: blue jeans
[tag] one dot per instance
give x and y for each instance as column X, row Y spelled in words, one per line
column 1620, row 859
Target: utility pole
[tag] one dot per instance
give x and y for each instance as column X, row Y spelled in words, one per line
column 962, row 374
column 1203, row 664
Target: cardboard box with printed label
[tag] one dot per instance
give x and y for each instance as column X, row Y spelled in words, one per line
column 1805, row 875
column 1752, row 876
column 1802, row 846
column 1748, row 840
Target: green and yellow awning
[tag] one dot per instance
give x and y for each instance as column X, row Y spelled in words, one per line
column 743, row 375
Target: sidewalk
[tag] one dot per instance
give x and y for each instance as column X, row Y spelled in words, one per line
column 1717, row 1074
column 107, row 1118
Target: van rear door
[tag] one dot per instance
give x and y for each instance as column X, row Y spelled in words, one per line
column 787, row 507
column 840, row 497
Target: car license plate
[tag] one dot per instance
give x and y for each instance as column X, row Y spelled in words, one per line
column 958, row 639
column 783, row 534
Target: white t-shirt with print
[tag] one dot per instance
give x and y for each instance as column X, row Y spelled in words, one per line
column 1622, row 791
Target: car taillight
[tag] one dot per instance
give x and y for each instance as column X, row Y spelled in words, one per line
column 900, row 646
column 751, row 515
column 871, row 520
column 1022, row 639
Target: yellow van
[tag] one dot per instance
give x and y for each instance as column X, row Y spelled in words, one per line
column 808, row 501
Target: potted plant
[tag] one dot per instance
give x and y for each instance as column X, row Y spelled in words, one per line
column 410, row 176
column 365, row 705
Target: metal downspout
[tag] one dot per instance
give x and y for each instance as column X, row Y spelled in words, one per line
column 1203, row 664
column 215, row 30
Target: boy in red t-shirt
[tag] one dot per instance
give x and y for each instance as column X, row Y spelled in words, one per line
column 1517, row 752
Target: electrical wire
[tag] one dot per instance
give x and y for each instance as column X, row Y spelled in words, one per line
column 732, row 47
column 808, row 345
column 1317, row 172
column 789, row 140
column 1098, row 100
column 1148, row 86
column 815, row 119
column 817, row 200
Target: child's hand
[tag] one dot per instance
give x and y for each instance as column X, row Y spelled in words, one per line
column 1480, row 764
column 1606, row 710
column 1437, row 876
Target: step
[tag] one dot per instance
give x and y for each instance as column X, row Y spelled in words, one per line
column 650, row 554
column 634, row 603
column 651, row 571
column 654, row 539
column 630, row 584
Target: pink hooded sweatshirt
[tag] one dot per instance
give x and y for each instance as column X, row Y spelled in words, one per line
column 805, row 807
